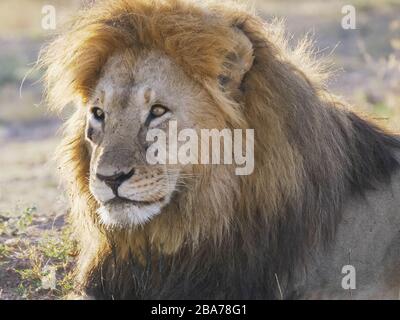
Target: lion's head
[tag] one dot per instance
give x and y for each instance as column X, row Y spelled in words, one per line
column 138, row 92
column 133, row 96
column 127, row 83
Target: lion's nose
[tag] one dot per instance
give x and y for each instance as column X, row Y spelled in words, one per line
column 115, row 180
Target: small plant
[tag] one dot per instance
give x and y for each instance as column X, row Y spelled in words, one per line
column 48, row 265
column 2, row 228
column 13, row 226
column 25, row 220
column 4, row 251
column 58, row 249
column 66, row 284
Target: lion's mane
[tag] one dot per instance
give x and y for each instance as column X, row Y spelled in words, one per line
column 228, row 236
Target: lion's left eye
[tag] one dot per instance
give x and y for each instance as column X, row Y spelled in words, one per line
column 98, row 113
column 158, row 110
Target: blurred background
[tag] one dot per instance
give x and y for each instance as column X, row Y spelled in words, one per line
column 35, row 248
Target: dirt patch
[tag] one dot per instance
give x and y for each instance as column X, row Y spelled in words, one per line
column 36, row 248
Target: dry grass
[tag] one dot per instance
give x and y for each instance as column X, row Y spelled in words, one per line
column 35, row 263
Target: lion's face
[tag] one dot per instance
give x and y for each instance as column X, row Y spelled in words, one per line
column 134, row 95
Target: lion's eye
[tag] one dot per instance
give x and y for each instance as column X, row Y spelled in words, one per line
column 98, row 114
column 158, row 110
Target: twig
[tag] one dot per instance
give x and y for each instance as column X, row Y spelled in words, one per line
column 279, row 286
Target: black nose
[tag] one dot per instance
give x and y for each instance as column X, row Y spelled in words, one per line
column 115, row 180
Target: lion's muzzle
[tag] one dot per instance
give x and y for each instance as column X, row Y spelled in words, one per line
column 115, row 181
column 132, row 197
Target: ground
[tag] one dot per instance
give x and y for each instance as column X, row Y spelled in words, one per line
column 37, row 251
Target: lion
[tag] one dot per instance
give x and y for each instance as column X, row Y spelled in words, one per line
column 323, row 197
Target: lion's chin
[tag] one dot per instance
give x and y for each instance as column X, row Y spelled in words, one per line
column 125, row 214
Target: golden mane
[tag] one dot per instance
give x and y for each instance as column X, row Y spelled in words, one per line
column 311, row 153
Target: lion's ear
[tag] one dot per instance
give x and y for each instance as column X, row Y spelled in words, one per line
column 237, row 63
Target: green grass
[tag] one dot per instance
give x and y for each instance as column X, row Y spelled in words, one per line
column 4, row 251
column 49, row 263
column 17, row 225
column 41, row 266
column 25, row 219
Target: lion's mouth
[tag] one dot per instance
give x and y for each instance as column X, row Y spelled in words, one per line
column 133, row 203
column 123, row 212
column 140, row 204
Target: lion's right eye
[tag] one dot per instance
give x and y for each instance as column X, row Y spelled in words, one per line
column 98, row 114
column 158, row 110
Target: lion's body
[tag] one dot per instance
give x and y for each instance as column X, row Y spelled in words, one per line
column 324, row 192
column 367, row 238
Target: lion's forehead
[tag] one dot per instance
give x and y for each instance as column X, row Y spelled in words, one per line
column 151, row 68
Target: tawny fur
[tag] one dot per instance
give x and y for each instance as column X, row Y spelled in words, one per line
column 312, row 154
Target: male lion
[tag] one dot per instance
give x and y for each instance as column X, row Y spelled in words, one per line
column 325, row 188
